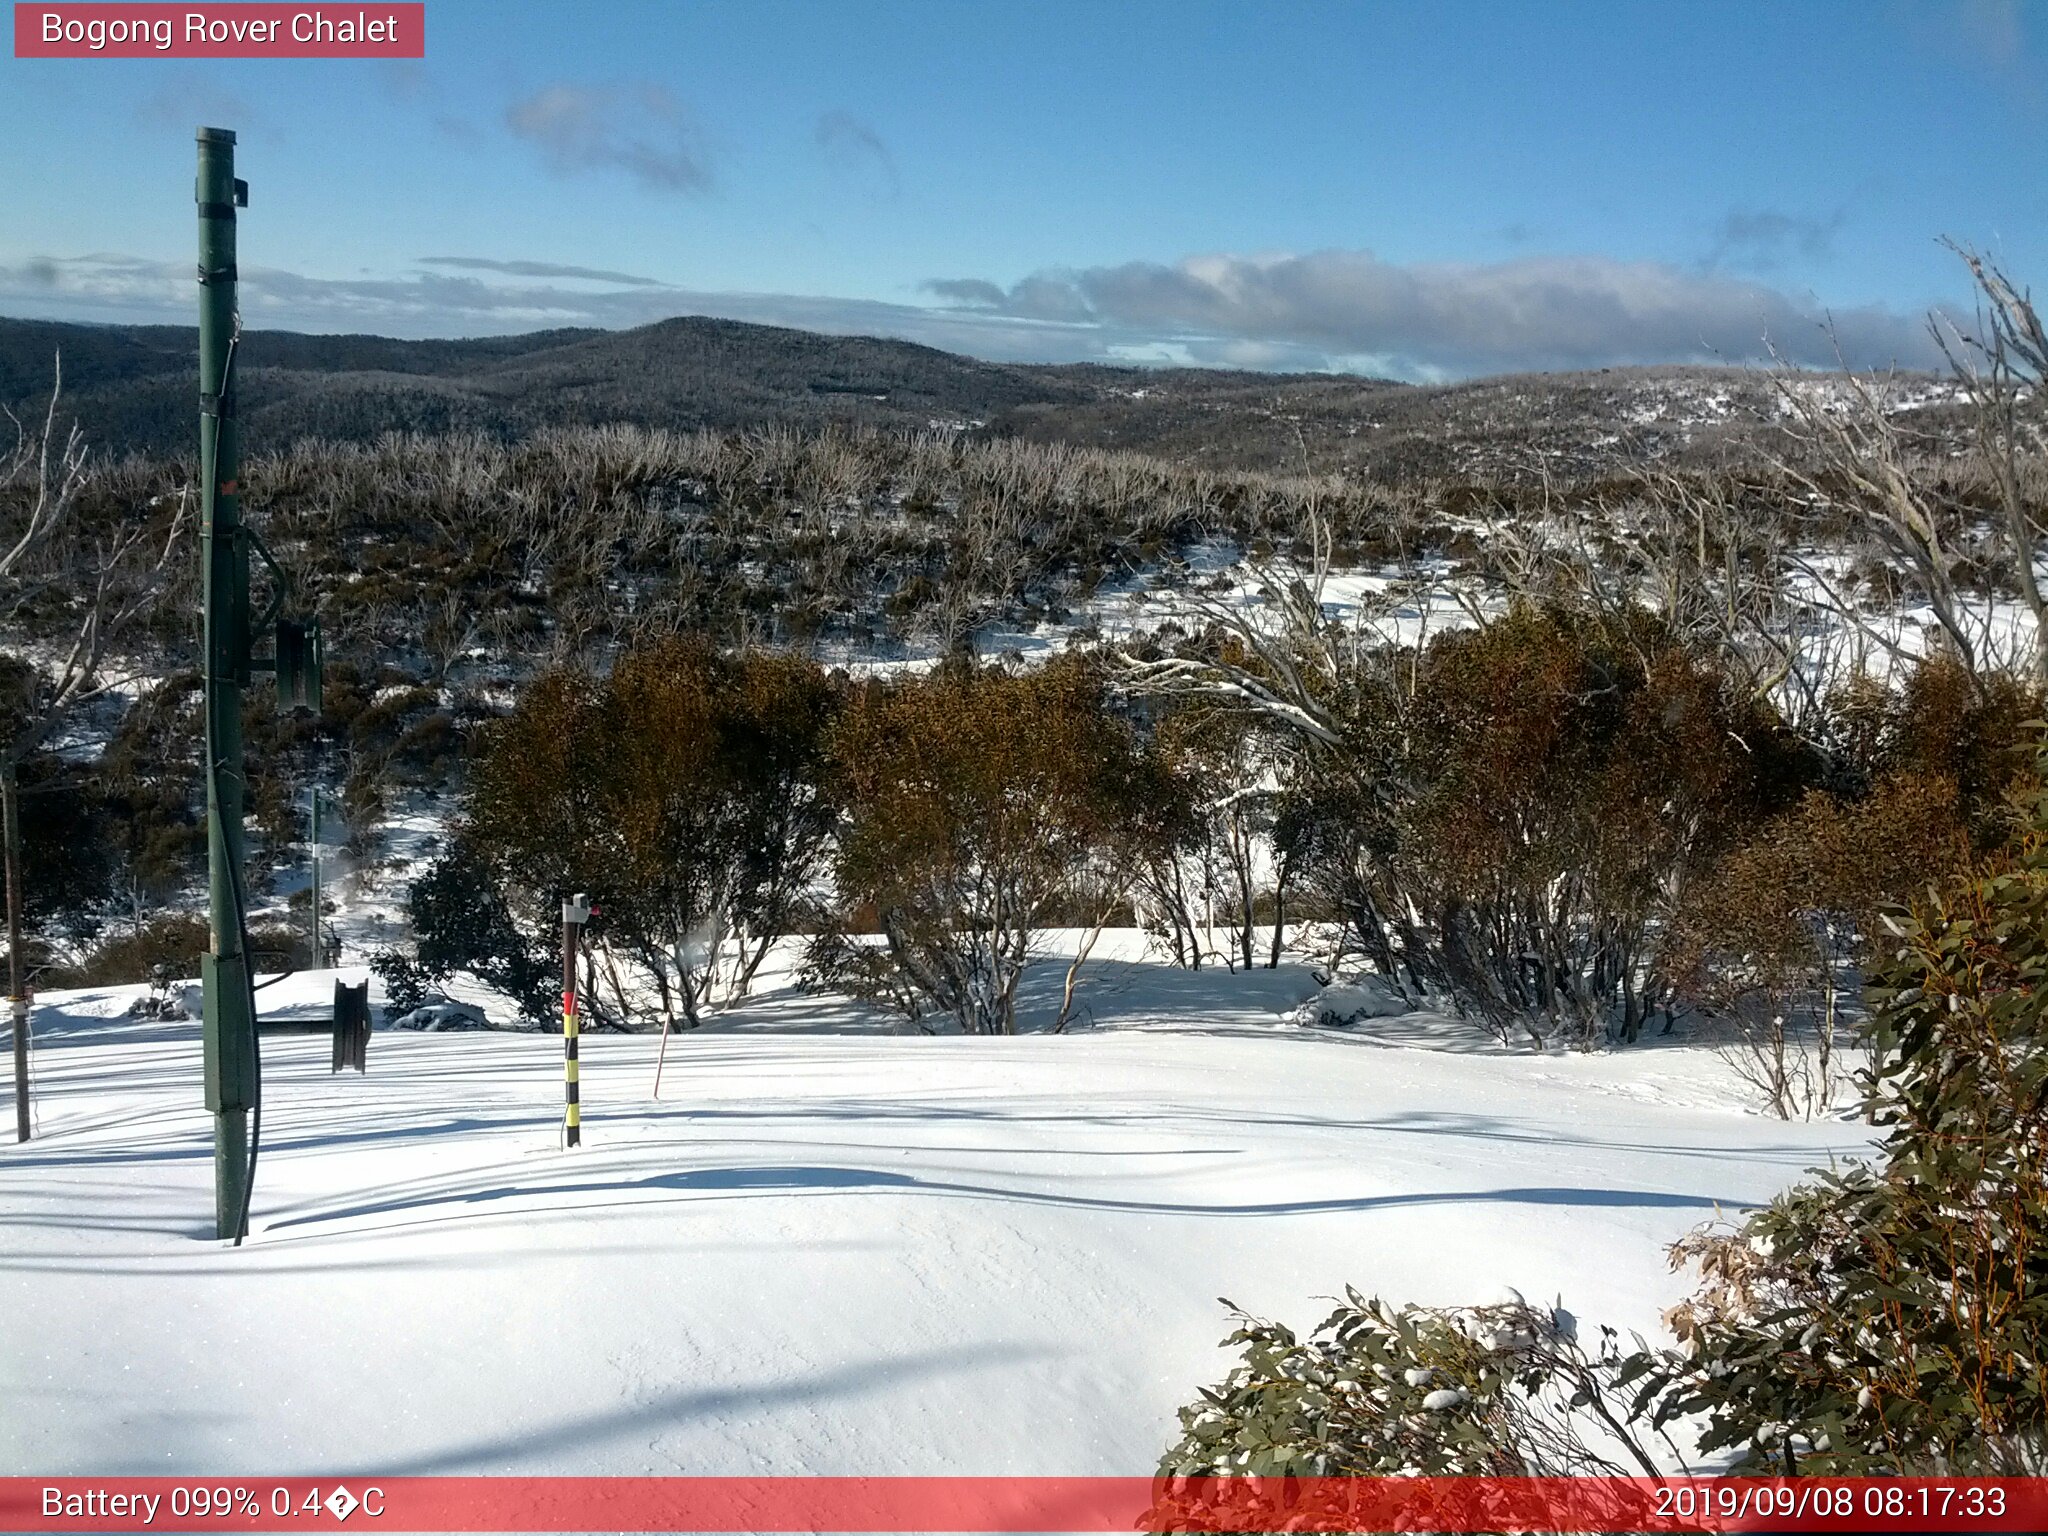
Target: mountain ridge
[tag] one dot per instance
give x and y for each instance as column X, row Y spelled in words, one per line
column 133, row 388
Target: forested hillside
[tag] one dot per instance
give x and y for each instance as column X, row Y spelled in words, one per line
column 132, row 388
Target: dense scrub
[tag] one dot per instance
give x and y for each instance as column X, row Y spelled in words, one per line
column 1564, row 823
column 571, row 539
column 980, row 807
column 1511, row 816
column 435, row 551
column 1774, row 941
column 1886, row 1318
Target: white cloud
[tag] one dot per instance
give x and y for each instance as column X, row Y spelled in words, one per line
column 1341, row 311
column 1423, row 320
column 110, row 287
column 634, row 126
column 854, row 146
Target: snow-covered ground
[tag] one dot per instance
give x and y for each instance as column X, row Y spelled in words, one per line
column 828, row 1248
column 1184, row 595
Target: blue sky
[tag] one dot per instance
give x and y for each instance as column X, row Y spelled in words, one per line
column 1424, row 189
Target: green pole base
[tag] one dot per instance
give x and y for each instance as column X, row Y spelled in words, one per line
column 230, row 1169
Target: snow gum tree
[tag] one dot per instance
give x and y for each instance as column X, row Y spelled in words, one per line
column 685, row 792
column 1511, row 814
column 982, row 806
column 1214, row 860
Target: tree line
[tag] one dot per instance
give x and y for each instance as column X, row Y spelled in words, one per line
column 1567, row 825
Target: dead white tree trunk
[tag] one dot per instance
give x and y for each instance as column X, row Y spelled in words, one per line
column 2003, row 368
column 80, row 589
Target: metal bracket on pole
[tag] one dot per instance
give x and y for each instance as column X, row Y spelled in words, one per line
column 284, row 583
column 352, row 1026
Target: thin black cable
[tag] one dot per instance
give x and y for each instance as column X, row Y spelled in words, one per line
column 255, row 1051
column 235, row 890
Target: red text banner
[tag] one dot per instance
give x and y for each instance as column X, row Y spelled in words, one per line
column 1082, row 1504
column 231, row 31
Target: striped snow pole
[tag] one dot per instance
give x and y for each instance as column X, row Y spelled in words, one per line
column 575, row 913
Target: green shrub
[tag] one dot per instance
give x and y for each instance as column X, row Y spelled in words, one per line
column 174, row 939
column 1503, row 1390
column 1893, row 1317
column 460, row 922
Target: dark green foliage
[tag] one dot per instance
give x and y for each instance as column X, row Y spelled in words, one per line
column 460, row 922
column 150, row 773
column 1893, row 1316
column 381, row 733
column 1380, row 1390
column 69, row 847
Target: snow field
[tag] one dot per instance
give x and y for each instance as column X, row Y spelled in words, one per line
column 826, row 1249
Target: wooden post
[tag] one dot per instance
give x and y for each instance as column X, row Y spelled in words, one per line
column 17, row 999
column 661, row 1055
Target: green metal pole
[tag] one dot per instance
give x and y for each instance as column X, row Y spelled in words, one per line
column 230, row 1027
